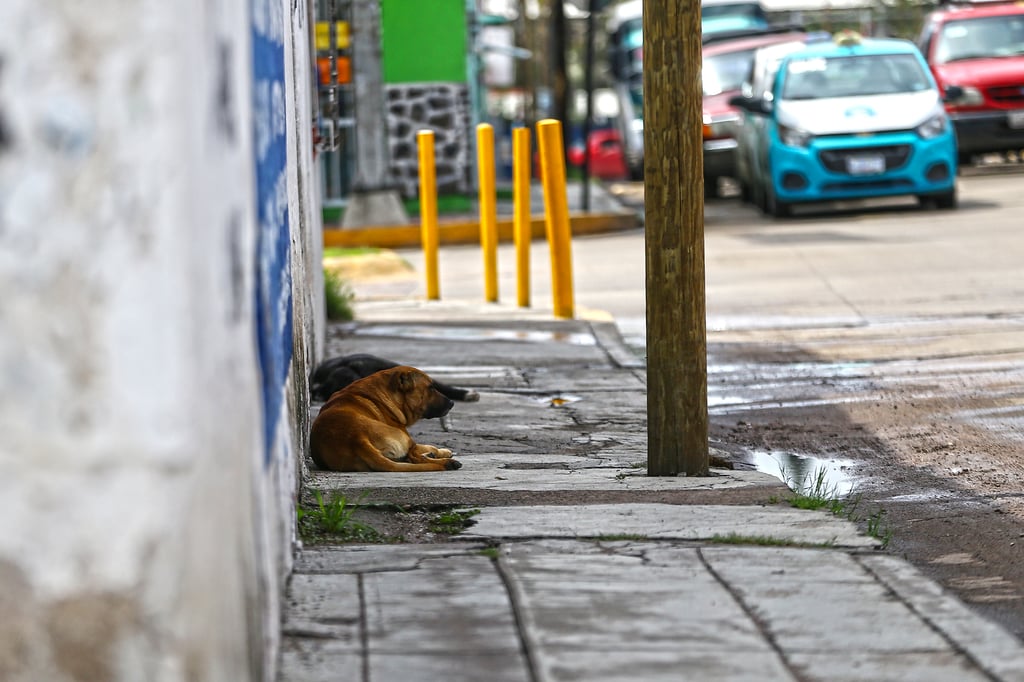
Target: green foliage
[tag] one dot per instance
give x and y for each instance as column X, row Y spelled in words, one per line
column 338, row 297
column 490, row 552
column 452, row 521
column 814, row 492
column 764, row 541
column 342, row 251
column 333, row 521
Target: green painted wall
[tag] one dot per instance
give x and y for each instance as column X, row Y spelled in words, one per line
column 424, row 40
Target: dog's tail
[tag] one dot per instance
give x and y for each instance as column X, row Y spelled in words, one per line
column 466, row 395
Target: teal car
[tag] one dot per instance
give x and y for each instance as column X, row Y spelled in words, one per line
column 731, row 17
column 849, row 118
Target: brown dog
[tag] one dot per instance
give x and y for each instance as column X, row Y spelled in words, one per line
column 363, row 426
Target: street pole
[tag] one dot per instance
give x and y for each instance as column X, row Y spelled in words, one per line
column 559, row 71
column 588, row 80
column 374, row 199
column 677, row 409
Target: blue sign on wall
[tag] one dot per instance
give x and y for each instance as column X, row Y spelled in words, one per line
column 273, row 269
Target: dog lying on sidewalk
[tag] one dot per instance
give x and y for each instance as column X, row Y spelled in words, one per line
column 363, row 426
column 335, row 374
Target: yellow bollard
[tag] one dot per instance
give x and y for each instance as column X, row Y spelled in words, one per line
column 428, row 212
column 556, row 215
column 521, row 212
column 488, row 209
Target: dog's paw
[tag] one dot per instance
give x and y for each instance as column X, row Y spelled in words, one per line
column 442, row 453
column 452, row 464
column 471, row 397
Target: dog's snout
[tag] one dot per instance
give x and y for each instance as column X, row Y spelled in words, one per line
column 439, row 408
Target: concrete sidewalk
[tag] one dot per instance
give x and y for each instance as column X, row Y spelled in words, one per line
column 580, row 567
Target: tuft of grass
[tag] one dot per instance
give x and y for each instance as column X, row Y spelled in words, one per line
column 333, row 520
column 452, row 521
column 489, row 552
column 815, row 493
column 338, row 297
column 342, row 251
column 878, row 528
column 765, row 541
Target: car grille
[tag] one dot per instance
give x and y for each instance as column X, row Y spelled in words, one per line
column 1007, row 94
column 898, row 183
column 835, row 159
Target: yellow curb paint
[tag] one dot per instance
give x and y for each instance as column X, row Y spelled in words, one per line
column 468, row 232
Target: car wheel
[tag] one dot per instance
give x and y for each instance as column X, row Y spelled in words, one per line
column 946, row 201
column 746, row 194
column 943, row 202
column 774, row 207
column 711, row 188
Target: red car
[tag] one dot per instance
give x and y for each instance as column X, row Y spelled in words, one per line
column 607, row 160
column 976, row 53
column 726, row 65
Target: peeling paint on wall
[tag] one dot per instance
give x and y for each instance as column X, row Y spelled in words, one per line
column 273, row 284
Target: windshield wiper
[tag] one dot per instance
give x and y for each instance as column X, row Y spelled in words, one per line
column 965, row 57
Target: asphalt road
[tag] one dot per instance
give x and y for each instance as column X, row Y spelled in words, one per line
column 876, row 340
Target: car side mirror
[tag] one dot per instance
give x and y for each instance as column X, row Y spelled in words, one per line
column 952, row 93
column 756, row 105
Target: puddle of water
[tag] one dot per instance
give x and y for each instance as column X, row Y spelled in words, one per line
column 557, row 400
column 478, row 334
column 802, row 472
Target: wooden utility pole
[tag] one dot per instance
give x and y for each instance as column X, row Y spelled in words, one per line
column 677, row 382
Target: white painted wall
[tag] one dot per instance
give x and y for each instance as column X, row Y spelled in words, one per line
column 143, row 534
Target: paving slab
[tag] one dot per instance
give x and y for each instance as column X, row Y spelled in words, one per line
column 503, row 471
column 1001, row 653
column 668, row 522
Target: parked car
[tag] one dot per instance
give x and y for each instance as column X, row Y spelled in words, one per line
column 978, row 51
column 853, row 118
column 607, row 159
column 725, row 66
column 718, row 16
column 751, row 137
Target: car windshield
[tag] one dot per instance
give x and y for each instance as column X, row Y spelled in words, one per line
column 725, row 72
column 853, row 76
column 751, row 11
column 980, row 38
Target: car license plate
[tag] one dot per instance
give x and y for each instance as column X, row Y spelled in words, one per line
column 1015, row 119
column 865, row 164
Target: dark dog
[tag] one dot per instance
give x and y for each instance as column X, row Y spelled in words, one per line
column 363, row 426
column 336, row 373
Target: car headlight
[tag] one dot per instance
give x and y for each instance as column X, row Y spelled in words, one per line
column 794, row 137
column 971, row 97
column 933, row 127
column 723, row 125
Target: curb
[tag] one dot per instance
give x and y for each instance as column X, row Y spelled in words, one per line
column 468, row 231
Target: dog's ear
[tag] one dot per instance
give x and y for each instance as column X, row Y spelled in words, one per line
column 405, row 380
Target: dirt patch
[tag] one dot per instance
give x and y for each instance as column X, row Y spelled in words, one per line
column 949, row 493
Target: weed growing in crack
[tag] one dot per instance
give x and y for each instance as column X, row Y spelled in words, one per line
column 814, row 492
column 453, row 521
column 765, row 541
column 332, row 521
